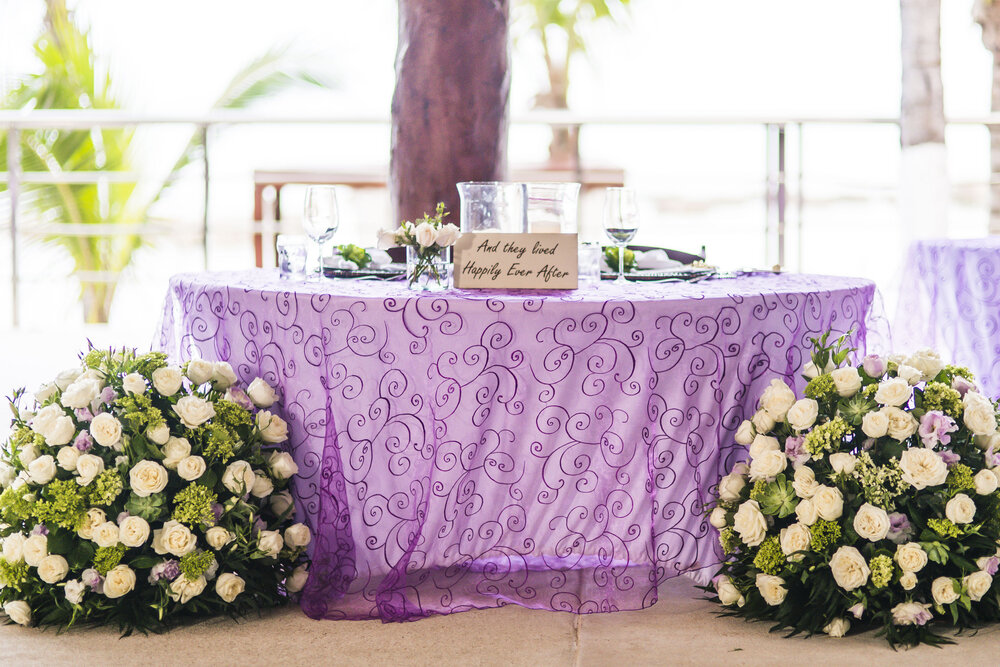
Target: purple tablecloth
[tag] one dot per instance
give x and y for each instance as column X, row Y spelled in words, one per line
column 950, row 300
column 476, row 449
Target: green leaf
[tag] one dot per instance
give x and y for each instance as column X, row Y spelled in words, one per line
column 143, row 562
column 150, row 508
column 61, row 541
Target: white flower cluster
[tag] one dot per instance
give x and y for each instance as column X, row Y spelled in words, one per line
column 422, row 235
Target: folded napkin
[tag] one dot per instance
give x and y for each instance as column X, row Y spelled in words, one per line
column 654, row 259
column 380, row 258
column 338, row 262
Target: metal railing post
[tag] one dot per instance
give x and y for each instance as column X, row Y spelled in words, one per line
column 14, row 188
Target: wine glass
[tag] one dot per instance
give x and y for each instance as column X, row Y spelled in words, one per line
column 321, row 220
column 621, row 222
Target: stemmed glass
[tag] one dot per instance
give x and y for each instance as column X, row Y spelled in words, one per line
column 621, row 222
column 321, row 220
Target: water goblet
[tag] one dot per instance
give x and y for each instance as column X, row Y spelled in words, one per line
column 621, row 222
column 320, row 220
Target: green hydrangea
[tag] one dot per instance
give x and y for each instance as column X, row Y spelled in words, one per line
column 16, row 505
column 729, row 540
column 106, row 488
column 220, row 443
column 881, row 571
column 944, row 527
column 232, row 415
column 880, row 484
column 194, row 564
column 769, row 559
column 959, row 371
column 107, row 558
column 13, row 574
column 824, row 534
column 759, row 490
column 960, row 478
column 139, row 412
column 95, row 358
column 821, row 388
column 193, row 506
column 826, row 437
column 868, row 391
column 64, row 504
column 939, row 396
column 149, row 362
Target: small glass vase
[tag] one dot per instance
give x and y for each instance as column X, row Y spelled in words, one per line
column 427, row 271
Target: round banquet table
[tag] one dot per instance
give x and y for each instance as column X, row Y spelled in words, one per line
column 473, row 449
column 950, row 300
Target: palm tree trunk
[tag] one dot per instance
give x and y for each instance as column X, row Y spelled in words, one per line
column 987, row 15
column 449, row 109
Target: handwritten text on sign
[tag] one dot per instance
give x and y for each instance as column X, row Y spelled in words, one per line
column 486, row 260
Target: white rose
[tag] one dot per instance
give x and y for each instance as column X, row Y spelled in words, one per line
column 297, row 579
column 191, row 468
column 7, row 475
column 54, row 569
column 730, row 487
column 270, row 542
column 88, row 466
column 910, row 557
column 777, row 399
column 174, row 538
column 910, row 374
column 282, row 503
column 282, row 465
column 908, row 581
column 273, row 428
column 978, row 584
column 906, row 613
column 18, row 611
column 838, row 627
column 133, row 383
column 901, row 423
column 718, row 518
column 228, row 586
column 35, row 548
column 927, row 361
column 176, row 450
column 806, row 513
column 261, row 393
column 223, row 375
column 13, row 548
column 45, row 391
column 167, row 380
column 843, row 462
column 802, row 414
column 218, row 537
column 871, row 522
column 763, row 443
column 804, row 482
column 728, row 593
column 45, row 418
column 986, row 482
column 750, row 523
column 875, row 424
column 772, row 589
column 194, row 411
column 847, row 381
column 297, row 535
column 27, row 455
column 159, row 435
column 67, row 377
column 447, row 235
column 762, row 422
column 133, row 531
column 386, row 239
column 182, row 589
column 922, row 468
column 793, row 539
column 200, row 371
column 745, row 433
column 960, row 509
column 74, row 591
column 62, row 432
column 979, row 415
column 829, row 502
column 106, row 534
column 893, row 392
column 106, row 430
column 262, row 485
column 768, row 465
column 849, row 568
column 42, row 469
column 943, row 590
column 238, row 478
column 67, row 458
column 147, row 477
column 425, row 234
column 81, row 393
column 95, row 517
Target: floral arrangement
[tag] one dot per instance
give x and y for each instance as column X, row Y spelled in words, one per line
column 356, row 254
column 136, row 493
column 425, row 241
column 871, row 501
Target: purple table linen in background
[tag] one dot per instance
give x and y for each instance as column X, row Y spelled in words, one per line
column 474, row 449
column 949, row 300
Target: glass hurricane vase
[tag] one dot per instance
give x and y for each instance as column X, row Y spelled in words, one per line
column 427, row 270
